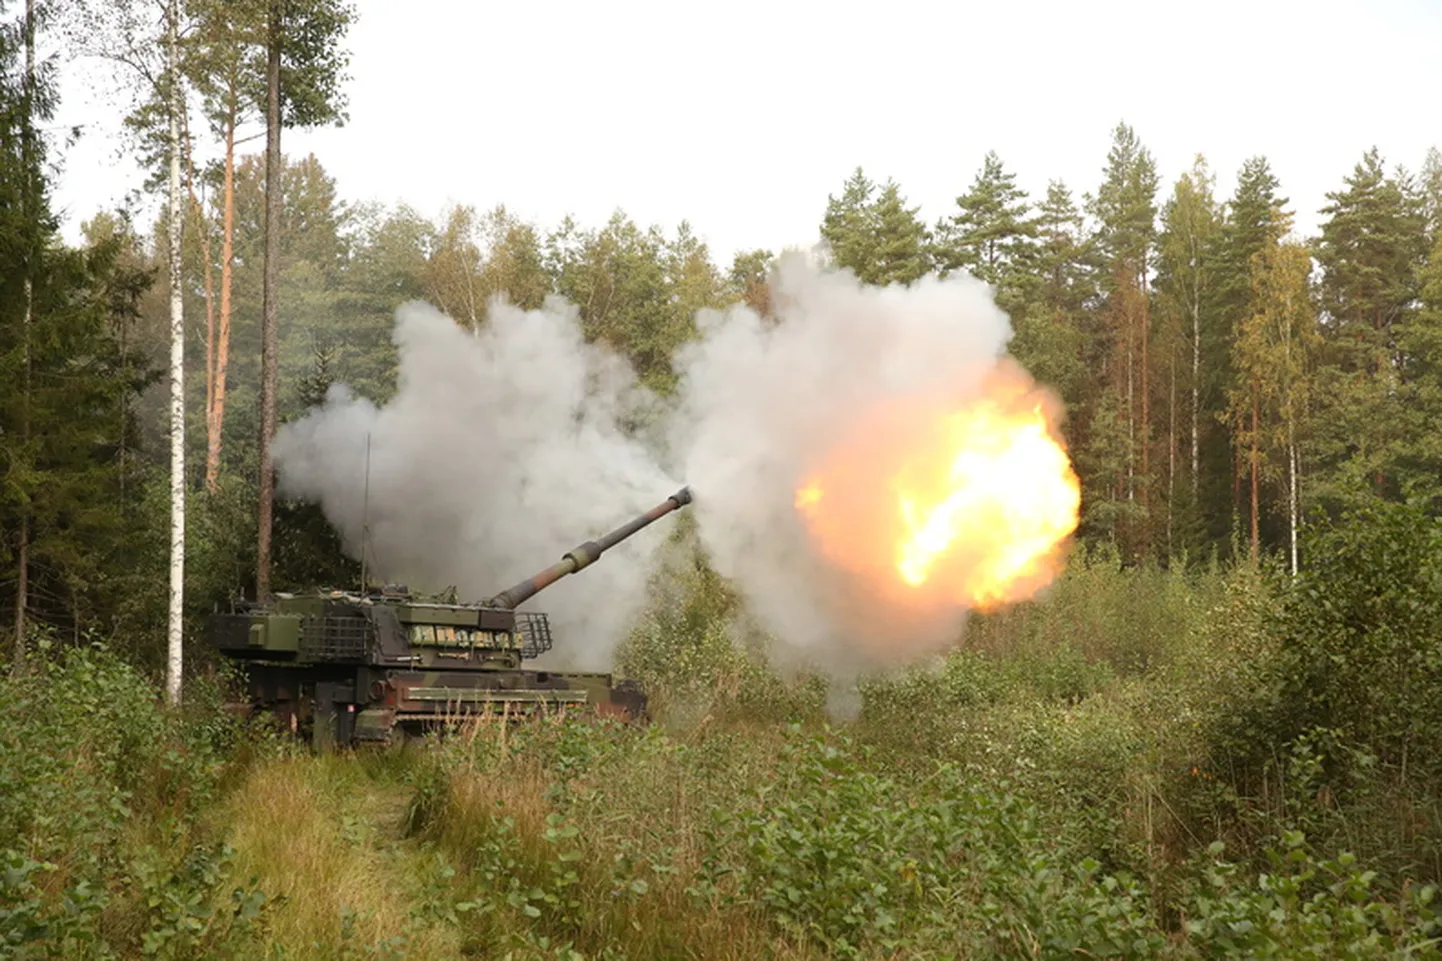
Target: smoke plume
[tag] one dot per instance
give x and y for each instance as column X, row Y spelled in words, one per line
column 505, row 447
column 501, row 450
column 764, row 402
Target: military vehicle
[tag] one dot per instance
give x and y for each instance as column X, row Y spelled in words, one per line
column 378, row 665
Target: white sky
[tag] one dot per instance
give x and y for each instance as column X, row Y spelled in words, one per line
column 742, row 116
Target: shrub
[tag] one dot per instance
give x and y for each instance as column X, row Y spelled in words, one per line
column 99, row 788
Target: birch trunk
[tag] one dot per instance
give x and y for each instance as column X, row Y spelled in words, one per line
column 1196, row 394
column 177, row 372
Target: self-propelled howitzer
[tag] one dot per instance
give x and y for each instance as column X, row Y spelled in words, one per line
column 344, row 666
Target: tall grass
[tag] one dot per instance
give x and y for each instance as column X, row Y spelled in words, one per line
column 1129, row 767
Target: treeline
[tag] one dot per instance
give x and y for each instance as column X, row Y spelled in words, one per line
column 1222, row 376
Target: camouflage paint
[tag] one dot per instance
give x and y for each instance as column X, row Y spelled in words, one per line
column 360, row 666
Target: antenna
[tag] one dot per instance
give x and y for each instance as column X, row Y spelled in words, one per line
column 365, row 516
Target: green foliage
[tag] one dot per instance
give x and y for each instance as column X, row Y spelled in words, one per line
column 312, row 62
column 1306, row 907
column 1051, row 789
column 1360, row 658
column 1125, row 203
column 100, row 788
column 69, row 381
column 1371, row 244
column 750, row 273
column 991, row 235
column 696, row 654
column 880, row 239
column 1418, row 455
column 858, row 862
column 636, row 290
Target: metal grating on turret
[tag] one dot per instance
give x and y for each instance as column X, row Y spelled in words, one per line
column 534, row 632
column 334, row 638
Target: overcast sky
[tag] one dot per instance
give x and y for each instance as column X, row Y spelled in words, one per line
column 742, row 116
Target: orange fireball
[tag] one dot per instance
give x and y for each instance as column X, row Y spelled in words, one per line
column 965, row 504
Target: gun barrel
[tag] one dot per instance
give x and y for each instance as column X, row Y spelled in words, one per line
column 587, row 553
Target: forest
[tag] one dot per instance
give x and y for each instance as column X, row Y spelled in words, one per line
column 1216, row 736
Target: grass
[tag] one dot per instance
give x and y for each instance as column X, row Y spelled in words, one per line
column 324, row 838
column 1122, row 769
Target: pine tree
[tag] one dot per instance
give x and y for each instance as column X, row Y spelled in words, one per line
column 881, row 240
column 224, row 62
column 1125, row 203
column 1372, row 245
column 847, row 227
column 24, row 234
column 1050, row 339
column 305, row 71
column 1125, row 207
column 1055, row 339
column 992, row 235
column 1419, row 464
column 1254, row 218
column 68, row 379
column 900, row 241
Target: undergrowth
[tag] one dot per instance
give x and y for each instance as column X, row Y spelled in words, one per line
column 1184, row 763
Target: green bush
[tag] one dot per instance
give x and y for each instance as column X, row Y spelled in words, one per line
column 1302, row 907
column 1361, row 639
column 860, row 862
column 100, row 786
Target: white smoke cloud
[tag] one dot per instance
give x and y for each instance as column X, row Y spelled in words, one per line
column 763, row 402
column 504, row 448
column 500, row 451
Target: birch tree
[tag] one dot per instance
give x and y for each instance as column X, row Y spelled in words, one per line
column 1186, row 270
column 453, row 273
column 1287, row 319
column 1275, row 347
column 175, row 217
column 149, row 53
